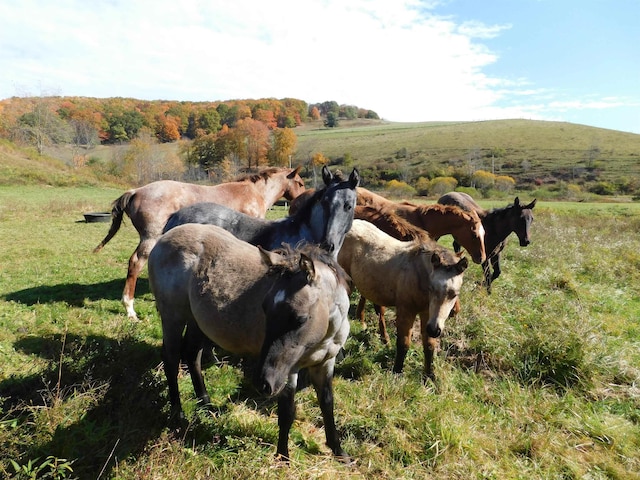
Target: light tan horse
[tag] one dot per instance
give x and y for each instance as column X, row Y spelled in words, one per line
column 417, row 278
column 150, row 206
column 405, row 221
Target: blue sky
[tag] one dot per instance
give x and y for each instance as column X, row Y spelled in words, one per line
column 409, row 60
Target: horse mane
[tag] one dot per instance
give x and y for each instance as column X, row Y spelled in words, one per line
column 261, row 175
column 500, row 212
column 390, row 223
column 291, row 261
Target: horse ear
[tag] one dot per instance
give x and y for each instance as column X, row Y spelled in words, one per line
column 270, row 258
column 306, row 265
column 354, row 178
column 516, row 202
column 327, row 176
column 294, row 172
column 462, row 265
column 531, row 205
column 436, row 261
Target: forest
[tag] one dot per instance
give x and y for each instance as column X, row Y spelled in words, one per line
column 251, row 133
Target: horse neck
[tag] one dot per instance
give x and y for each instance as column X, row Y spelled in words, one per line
column 496, row 230
column 439, row 222
column 272, row 189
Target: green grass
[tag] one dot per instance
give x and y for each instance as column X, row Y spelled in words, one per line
column 555, row 394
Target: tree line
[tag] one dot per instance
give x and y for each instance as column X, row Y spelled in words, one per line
column 255, row 132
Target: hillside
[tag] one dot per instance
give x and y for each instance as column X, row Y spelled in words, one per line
column 21, row 166
column 533, row 152
column 524, row 149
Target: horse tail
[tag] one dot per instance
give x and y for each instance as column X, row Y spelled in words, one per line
column 119, row 207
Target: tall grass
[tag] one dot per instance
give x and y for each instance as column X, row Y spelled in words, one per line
column 537, row 380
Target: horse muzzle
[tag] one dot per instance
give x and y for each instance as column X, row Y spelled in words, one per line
column 524, row 242
column 434, row 331
column 328, row 247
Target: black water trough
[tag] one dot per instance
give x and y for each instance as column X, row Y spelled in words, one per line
column 94, row 217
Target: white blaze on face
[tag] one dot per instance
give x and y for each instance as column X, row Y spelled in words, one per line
column 279, row 297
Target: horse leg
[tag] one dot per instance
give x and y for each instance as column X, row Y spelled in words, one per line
column 286, row 416
column 495, row 262
column 429, row 345
column 171, row 347
column 382, row 325
column 192, row 347
column 136, row 263
column 360, row 311
column 486, row 273
column 404, row 325
column 322, row 380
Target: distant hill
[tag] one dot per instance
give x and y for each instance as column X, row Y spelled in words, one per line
column 532, row 152
column 528, row 150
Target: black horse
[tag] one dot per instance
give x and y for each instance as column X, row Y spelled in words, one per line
column 498, row 224
column 324, row 220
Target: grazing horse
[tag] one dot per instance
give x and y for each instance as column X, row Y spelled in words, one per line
column 418, row 278
column 324, row 219
column 149, row 208
column 289, row 309
column 498, row 223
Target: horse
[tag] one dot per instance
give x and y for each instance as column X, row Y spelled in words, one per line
column 498, row 223
column 400, row 229
column 419, row 278
column 324, row 219
column 149, row 208
column 289, row 309
column 405, row 220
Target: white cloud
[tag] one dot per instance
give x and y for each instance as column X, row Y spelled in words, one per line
column 398, row 58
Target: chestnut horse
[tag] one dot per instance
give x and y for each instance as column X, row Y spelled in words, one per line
column 150, row 206
column 419, row 278
column 498, row 223
column 289, row 309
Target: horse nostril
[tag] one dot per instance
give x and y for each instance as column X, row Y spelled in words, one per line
column 434, row 332
column 266, row 388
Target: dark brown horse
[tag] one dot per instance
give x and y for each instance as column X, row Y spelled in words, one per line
column 149, row 208
column 498, row 223
column 290, row 309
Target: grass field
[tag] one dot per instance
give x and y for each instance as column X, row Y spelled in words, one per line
column 538, row 380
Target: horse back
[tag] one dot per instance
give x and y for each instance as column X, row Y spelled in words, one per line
column 462, row 200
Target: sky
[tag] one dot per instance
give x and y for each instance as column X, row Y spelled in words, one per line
column 408, row 60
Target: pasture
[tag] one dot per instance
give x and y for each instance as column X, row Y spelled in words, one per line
column 540, row 379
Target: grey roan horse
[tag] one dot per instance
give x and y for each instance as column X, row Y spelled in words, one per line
column 324, row 220
column 498, row 225
column 290, row 309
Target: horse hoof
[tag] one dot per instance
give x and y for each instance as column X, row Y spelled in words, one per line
column 344, row 458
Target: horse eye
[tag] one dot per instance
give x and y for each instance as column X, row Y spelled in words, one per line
column 347, row 207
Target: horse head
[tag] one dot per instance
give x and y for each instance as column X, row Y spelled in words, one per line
column 332, row 210
column 306, row 316
column 294, row 185
column 522, row 219
column 445, row 282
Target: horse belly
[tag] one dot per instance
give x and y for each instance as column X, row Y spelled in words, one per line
column 229, row 314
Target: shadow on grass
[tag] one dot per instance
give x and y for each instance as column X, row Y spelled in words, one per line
column 105, row 399
column 101, row 394
column 75, row 294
